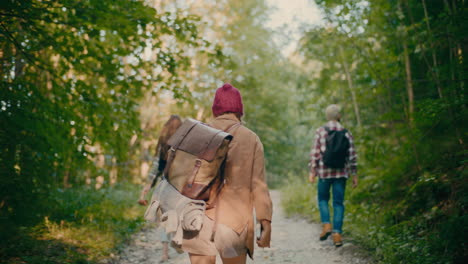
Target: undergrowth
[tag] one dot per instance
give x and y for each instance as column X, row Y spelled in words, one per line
column 407, row 208
column 433, row 237
column 81, row 225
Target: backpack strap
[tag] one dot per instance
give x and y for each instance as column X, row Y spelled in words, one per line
column 328, row 129
column 234, row 126
column 220, row 187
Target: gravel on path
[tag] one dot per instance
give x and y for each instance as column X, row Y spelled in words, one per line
column 293, row 241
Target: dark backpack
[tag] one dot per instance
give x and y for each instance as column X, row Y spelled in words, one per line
column 337, row 149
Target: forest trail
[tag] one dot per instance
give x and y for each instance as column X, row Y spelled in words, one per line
column 293, row 241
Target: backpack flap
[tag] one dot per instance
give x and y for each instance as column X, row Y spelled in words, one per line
column 198, row 139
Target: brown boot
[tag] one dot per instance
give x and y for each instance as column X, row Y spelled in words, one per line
column 326, row 231
column 337, row 240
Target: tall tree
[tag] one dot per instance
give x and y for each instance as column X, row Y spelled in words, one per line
column 73, row 73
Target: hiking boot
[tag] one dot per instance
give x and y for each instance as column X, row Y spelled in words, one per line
column 326, row 231
column 337, row 240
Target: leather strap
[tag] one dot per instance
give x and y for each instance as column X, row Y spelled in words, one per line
column 194, row 173
column 215, row 224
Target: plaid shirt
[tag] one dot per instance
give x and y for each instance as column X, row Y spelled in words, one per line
column 318, row 149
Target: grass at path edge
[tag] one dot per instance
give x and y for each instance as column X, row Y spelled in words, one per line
column 82, row 225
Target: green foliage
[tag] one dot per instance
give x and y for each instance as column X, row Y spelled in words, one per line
column 392, row 218
column 401, row 61
column 85, row 85
column 268, row 82
column 81, row 225
column 398, row 211
column 72, row 77
column 299, row 198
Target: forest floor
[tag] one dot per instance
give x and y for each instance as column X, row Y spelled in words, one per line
column 294, row 240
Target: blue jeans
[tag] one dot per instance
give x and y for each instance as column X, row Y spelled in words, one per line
column 338, row 185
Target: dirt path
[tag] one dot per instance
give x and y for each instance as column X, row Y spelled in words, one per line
column 293, row 241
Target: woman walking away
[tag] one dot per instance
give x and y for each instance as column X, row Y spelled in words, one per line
column 230, row 213
column 159, row 163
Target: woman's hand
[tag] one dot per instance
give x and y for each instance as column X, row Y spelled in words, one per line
column 143, row 202
column 265, row 235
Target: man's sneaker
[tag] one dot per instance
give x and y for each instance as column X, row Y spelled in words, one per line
column 337, row 240
column 326, row 231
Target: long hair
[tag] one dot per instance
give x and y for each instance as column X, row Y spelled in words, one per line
column 167, row 131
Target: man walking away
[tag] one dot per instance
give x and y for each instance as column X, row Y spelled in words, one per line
column 333, row 160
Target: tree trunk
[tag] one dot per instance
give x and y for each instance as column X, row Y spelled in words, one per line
column 409, row 84
column 8, row 158
column 459, row 54
column 434, row 57
column 4, row 57
column 351, row 88
column 452, row 67
column 19, row 65
column 410, row 92
column 66, row 174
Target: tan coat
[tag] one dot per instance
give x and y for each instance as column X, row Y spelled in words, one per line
column 245, row 188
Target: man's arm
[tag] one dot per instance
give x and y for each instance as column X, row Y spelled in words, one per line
column 314, row 156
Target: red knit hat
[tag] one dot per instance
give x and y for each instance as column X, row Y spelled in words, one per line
column 227, row 99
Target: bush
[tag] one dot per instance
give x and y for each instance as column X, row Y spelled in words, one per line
column 299, row 199
column 82, row 225
column 404, row 210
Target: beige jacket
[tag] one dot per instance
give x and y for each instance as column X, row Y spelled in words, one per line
column 245, row 188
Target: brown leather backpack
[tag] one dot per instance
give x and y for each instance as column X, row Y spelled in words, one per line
column 196, row 159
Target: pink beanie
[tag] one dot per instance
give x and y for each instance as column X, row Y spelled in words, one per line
column 227, row 99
